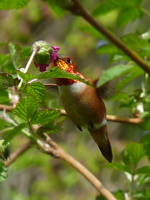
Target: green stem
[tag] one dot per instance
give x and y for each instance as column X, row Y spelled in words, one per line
column 132, row 183
column 145, row 11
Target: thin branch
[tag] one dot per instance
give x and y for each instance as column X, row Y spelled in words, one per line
column 18, row 153
column 29, row 63
column 6, row 107
column 78, row 9
column 112, row 118
column 124, row 120
column 50, row 85
column 53, row 149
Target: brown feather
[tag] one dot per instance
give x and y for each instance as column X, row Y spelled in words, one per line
column 100, row 136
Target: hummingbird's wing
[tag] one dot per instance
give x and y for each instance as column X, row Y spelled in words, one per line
column 108, row 89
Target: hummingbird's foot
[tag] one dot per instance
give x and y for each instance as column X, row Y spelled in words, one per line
column 79, row 127
column 91, row 126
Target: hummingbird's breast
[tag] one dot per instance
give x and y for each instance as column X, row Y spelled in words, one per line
column 82, row 104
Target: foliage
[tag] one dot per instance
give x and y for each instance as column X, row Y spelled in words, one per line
column 36, row 106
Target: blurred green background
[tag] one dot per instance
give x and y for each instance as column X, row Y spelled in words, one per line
column 36, row 176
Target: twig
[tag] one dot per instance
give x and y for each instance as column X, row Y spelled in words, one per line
column 53, row 149
column 112, row 118
column 124, row 120
column 78, row 9
column 18, row 152
column 50, row 85
column 6, row 107
column 29, row 63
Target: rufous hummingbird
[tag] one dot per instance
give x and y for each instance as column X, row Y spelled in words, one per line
column 83, row 105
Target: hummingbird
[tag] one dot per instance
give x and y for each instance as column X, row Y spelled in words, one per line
column 83, row 104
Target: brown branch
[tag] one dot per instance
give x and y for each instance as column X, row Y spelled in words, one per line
column 6, row 107
column 50, row 85
column 56, row 151
column 78, row 9
column 112, row 118
column 53, row 149
column 124, row 120
column 18, row 153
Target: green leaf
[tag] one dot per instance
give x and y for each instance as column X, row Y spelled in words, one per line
column 145, row 141
column 25, row 52
column 6, row 4
column 4, row 99
column 105, row 7
column 114, row 72
column 3, row 172
column 145, row 125
column 133, row 154
column 143, row 170
column 6, row 63
column 14, row 133
column 107, row 49
column 27, row 77
column 128, row 14
column 53, row 73
column 92, row 31
column 26, row 108
column 4, row 150
column 44, row 117
column 58, row 6
column 58, row 73
column 119, row 195
column 109, row 5
column 37, row 90
column 15, row 51
column 120, row 167
column 131, row 75
column 9, row 81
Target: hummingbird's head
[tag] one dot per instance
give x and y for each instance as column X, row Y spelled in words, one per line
column 65, row 63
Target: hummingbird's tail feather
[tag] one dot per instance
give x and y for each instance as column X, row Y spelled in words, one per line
column 100, row 136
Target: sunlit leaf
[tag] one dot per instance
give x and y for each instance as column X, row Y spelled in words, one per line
column 44, row 117
column 37, row 90
column 53, row 73
column 58, row 6
column 120, row 167
column 92, row 31
column 15, row 54
column 8, row 80
column 128, row 14
column 114, row 72
column 6, row 5
column 133, row 153
column 27, row 77
column 143, row 170
column 3, row 172
column 4, row 150
column 16, row 130
column 26, row 108
column 107, row 49
column 146, row 144
column 4, row 99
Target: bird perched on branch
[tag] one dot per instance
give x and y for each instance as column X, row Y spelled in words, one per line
column 83, row 104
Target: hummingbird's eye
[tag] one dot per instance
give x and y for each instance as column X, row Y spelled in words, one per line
column 69, row 61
